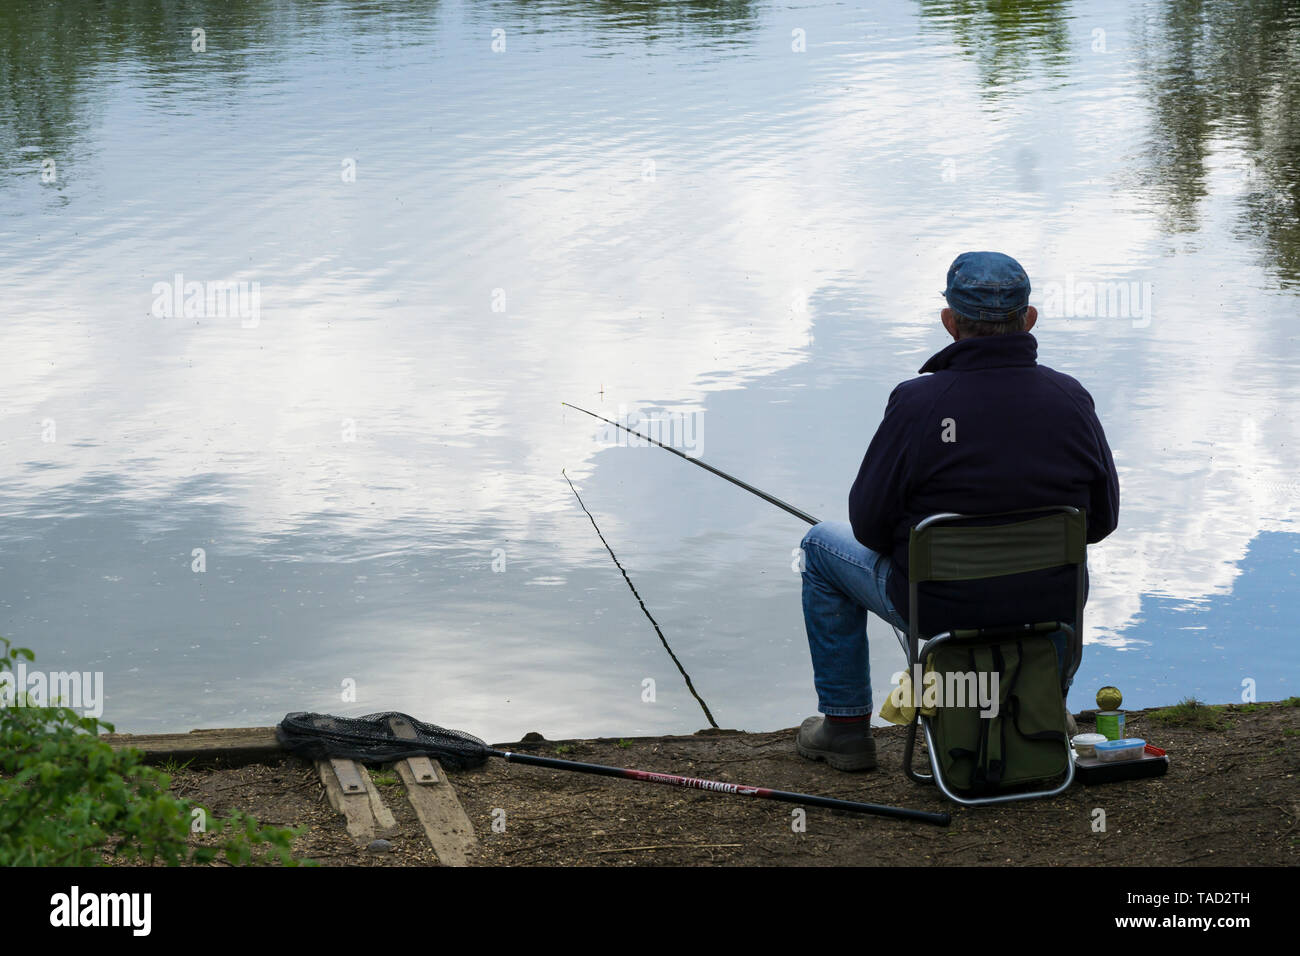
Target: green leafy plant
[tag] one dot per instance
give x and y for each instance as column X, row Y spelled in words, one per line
column 68, row 798
column 171, row 765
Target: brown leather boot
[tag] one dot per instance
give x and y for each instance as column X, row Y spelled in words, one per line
column 843, row 746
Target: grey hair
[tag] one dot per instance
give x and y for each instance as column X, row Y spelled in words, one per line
column 969, row 328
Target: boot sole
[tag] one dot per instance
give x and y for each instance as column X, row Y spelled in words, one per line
column 846, row 762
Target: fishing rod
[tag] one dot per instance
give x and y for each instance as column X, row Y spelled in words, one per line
column 718, row 786
column 707, row 467
column 392, row 736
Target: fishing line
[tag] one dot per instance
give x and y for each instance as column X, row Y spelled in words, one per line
column 663, row 640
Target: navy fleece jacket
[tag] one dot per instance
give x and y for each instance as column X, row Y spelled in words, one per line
column 985, row 428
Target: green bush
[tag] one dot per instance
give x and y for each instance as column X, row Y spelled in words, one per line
column 67, row 798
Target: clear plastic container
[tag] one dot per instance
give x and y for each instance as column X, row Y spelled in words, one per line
column 1127, row 748
column 1084, row 744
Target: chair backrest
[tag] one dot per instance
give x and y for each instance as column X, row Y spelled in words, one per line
column 946, row 547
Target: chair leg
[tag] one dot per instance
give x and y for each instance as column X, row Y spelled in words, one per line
column 908, row 749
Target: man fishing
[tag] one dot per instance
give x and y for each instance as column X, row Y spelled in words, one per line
column 983, row 429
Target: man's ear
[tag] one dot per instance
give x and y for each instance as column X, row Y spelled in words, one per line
column 949, row 318
column 1030, row 318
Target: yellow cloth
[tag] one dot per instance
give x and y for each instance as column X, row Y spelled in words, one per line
column 900, row 706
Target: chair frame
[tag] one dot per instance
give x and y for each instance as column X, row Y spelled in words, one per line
column 1075, row 551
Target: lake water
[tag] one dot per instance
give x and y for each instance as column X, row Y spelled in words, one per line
column 344, row 491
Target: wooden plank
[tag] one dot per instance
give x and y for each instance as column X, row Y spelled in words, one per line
column 434, row 800
column 422, row 768
column 237, row 746
column 348, row 775
column 354, row 805
column 442, row 816
column 228, row 746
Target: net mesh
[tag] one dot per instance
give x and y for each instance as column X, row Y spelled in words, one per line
column 374, row 739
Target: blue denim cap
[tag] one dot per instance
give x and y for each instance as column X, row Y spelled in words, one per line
column 987, row 287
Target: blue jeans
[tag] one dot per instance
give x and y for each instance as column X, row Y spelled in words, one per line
column 842, row 581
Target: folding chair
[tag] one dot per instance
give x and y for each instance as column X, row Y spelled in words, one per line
column 1018, row 754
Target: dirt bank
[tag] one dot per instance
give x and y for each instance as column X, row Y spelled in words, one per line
column 1230, row 798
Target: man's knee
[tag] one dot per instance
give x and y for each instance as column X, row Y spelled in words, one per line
column 821, row 533
column 827, row 541
column 817, row 536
